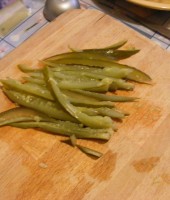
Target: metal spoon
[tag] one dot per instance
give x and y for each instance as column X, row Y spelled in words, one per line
column 53, row 8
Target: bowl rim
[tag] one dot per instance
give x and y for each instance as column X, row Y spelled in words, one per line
column 151, row 4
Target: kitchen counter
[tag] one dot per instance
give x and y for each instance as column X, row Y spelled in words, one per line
column 138, row 18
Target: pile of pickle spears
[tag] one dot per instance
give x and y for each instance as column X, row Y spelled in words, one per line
column 69, row 94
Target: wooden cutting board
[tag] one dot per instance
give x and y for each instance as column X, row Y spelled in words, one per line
column 136, row 162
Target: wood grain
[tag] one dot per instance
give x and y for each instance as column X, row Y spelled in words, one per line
column 136, row 162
